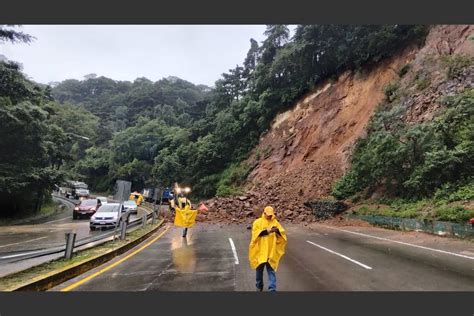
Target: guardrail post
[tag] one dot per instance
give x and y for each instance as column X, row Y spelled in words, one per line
column 144, row 220
column 123, row 228
column 70, row 240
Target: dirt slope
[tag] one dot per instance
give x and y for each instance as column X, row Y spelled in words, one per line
column 308, row 147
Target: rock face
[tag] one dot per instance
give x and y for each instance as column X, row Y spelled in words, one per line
column 309, row 146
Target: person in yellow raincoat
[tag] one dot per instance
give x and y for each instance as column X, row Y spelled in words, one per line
column 266, row 248
column 137, row 197
column 184, row 216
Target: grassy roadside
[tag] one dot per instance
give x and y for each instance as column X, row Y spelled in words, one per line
column 13, row 281
column 48, row 209
column 430, row 209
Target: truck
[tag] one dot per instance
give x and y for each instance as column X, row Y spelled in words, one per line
column 167, row 196
column 74, row 189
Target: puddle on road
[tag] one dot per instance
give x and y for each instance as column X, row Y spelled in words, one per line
column 184, row 256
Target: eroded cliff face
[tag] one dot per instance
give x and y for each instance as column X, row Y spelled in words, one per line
column 308, row 147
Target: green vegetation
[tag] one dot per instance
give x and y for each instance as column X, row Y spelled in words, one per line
column 170, row 130
column 430, row 209
column 404, row 70
column 422, row 81
column 413, row 161
column 390, row 91
column 454, row 64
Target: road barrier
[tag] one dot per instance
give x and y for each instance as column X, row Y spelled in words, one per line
column 83, row 243
column 427, row 226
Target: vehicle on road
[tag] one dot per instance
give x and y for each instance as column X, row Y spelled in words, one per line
column 80, row 193
column 86, row 208
column 131, row 206
column 108, row 216
column 167, row 196
column 74, row 189
column 102, row 199
column 148, row 194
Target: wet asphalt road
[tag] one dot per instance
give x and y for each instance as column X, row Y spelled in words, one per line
column 318, row 258
column 16, row 239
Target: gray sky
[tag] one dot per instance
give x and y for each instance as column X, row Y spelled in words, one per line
column 197, row 53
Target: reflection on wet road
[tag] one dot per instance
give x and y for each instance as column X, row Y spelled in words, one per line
column 206, row 261
column 184, row 257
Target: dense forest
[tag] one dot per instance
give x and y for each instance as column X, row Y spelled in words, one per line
column 157, row 133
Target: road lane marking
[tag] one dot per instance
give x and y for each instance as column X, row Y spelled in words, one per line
column 234, row 250
column 340, row 255
column 21, row 242
column 405, row 243
column 90, row 277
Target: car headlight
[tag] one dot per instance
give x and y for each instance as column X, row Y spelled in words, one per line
column 76, row 209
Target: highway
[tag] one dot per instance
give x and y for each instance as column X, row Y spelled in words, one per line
column 318, row 258
column 16, row 240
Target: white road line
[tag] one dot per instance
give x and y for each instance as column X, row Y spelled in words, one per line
column 22, row 242
column 234, row 250
column 340, row 255
column 404, row 243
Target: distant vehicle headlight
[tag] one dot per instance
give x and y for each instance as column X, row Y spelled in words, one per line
column 76, row 209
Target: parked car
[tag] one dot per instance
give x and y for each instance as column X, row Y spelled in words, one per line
column 102, row 199
column 131, row 205
column 86, row 208
column 108, row 216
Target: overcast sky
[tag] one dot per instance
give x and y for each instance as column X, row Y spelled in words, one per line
column 197, row 53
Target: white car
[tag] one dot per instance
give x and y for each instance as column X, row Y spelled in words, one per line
column 107, row 216
column 102, row 199
column 131, row 206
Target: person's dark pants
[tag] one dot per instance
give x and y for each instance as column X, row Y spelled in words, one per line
column 185, row 232
column 271, row 277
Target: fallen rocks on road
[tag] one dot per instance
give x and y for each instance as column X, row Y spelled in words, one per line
column 245, row 209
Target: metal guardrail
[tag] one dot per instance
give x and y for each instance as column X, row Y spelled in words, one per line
column 461, row 230
column 83, row 241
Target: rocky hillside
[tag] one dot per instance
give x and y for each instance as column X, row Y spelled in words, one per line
column 308, row 147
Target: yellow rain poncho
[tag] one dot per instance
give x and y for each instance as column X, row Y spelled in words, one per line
column 269, row 248
column 185, row 217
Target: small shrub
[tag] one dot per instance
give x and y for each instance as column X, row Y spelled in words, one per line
column 450, row 192
column 404, row 70
column 422, row 83
column 455, row 213
column 454, row 64
column 390, row 91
